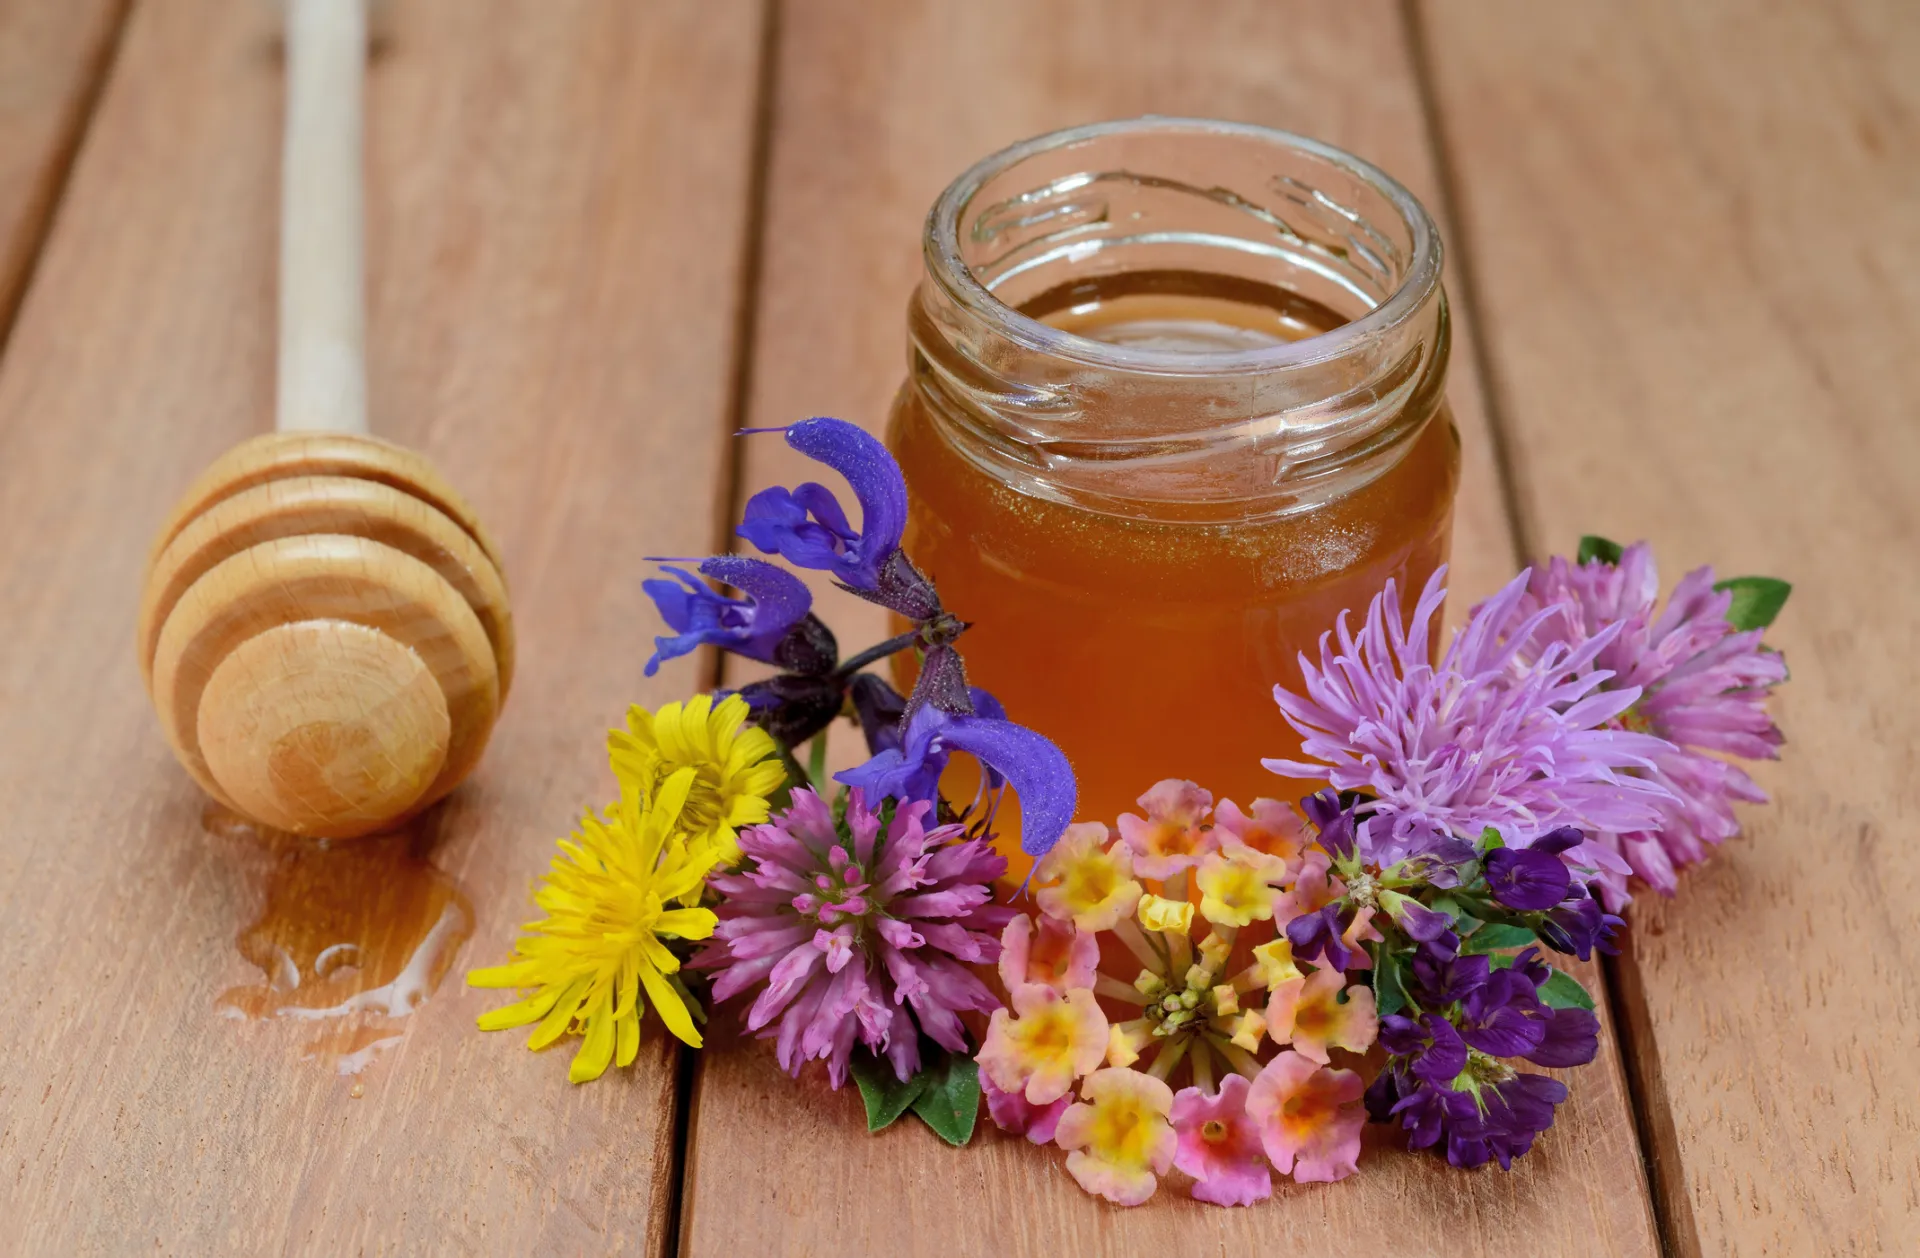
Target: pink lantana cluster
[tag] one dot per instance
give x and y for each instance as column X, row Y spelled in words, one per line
column 1154, row 960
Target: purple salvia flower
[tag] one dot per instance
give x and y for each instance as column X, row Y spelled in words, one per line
column 806, row 525
column 754, row 626
column 1702, row 688
column 856, row 936
column 1485, row 739
column 1037, row 770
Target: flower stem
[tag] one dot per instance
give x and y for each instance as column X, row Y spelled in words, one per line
column 1113, row 988
column 817, row 760
column 1167, row 1058
column 880, row 651
column 1129, row 934
column 1202, row 1062
column 1243, row 1062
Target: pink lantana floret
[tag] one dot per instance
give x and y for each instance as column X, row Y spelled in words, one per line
column 1308, row 1013
column 1173, row 835
column 1309, row 1116
column 1220, row 1145
column 1044, row 1043
column 1014, row 1114
column 1051, row 952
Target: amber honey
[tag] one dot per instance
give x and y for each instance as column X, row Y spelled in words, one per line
column 1175, row 399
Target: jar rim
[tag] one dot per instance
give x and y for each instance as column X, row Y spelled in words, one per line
column 957, row 280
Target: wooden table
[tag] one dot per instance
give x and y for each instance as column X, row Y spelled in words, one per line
column 1685, row 248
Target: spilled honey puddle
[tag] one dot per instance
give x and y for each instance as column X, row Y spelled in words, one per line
column 353, row 936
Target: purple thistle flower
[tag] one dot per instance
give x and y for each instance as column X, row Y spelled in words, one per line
column 755, row 626
column 1486, row 739
column 1701, row 687
column 1037, row 770
column 854, row 936
column 806, row 525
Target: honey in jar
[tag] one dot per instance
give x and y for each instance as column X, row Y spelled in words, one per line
column 1176, row 400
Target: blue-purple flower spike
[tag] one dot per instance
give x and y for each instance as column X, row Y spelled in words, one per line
column 1037, row 770
column 753, row 626
column 806, row 525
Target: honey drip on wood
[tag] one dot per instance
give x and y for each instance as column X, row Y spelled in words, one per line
column 351, row 939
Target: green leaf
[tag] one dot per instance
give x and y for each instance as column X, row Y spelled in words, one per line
column 1463, row 922
column 1594, row 547
column 887, row 1098
column 1563, row 991
column 951, row 1101
column 1490, row 839
column 1389, row 984
column 1497, row 935
column 1756, row 600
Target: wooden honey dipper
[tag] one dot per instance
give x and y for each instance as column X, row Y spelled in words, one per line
column 324, row 628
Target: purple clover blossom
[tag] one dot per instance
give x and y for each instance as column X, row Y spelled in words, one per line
column 806, row 525
column 1037, row 770
column 753, row 626
column 857, row 936
column 1700, row 686
column 1484, row 740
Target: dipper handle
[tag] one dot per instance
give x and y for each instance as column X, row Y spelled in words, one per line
column 323, row 327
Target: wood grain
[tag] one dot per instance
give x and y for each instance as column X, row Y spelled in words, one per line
column 875, row 109
column 52, row 60
column 1699, row 252
column 557, row 197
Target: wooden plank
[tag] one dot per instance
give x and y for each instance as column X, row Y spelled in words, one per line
column 1697, row 249
column 557, row 201
column 52, row 60
column 876, row 109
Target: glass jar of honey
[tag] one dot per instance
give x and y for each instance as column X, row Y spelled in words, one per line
column 1175, row 400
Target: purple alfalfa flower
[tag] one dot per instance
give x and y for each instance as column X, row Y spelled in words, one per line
column 1702, row 687
column 773, row 613
column 1321, row 935
column 807, row 527
column 1578, row 925
column 1428, row 1048
column 1483, row 740
column 1532, row 878
column 1506, row 1119
column 1333, row 825
column 860, row 932
column 1038, row 771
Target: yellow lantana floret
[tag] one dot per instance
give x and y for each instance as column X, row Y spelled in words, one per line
column 1174, row 917
column 736, row 766
column 1120, row 1139
column 1086, row 879
column 1234, row 890
column 1045, row 1043
column 606, row 900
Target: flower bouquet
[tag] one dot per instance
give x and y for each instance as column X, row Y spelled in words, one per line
column 1221, row 989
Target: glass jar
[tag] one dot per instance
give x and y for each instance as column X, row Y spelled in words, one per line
column 1175, row 400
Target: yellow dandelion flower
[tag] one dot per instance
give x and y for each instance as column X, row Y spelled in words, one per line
column 606, row 899
column 736, row 766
